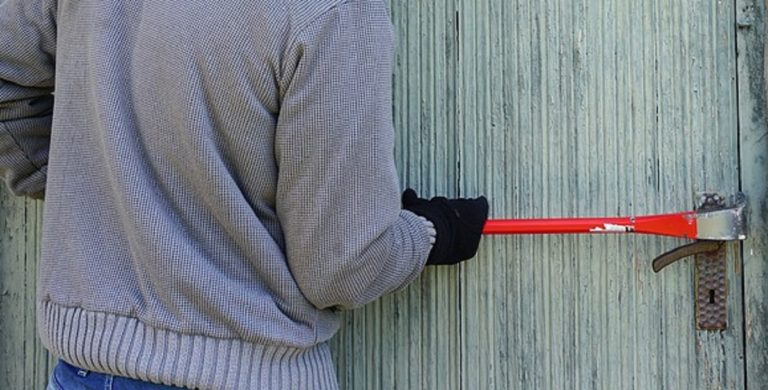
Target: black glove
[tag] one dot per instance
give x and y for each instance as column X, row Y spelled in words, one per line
column 458, row 222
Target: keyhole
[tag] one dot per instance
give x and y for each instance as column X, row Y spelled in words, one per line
column 711, row 296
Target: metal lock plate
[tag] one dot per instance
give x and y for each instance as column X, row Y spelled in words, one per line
column 711, row 276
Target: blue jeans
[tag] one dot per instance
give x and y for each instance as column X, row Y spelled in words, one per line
column 68, row 377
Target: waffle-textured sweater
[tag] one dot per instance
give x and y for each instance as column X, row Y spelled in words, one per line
column 218, row 176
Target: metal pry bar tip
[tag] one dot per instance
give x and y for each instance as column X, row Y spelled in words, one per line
column 727, row 224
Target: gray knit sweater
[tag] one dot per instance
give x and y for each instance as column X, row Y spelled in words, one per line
column 219, row 181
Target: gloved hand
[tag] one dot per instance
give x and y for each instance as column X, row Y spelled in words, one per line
column 459, row 224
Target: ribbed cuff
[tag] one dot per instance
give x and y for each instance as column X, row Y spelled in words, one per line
column 414, row 241
column 125, row 346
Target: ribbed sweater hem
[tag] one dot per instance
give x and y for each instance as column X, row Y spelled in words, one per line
column 125, row 346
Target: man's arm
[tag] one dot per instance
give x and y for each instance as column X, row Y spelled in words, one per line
column 27, row 51
column 348, row 240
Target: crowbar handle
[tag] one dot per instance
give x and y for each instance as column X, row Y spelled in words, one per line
column 675, row 225
column 722, row 224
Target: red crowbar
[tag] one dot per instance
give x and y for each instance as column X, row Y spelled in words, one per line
column 726, row 224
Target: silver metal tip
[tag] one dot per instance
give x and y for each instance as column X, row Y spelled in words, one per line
column 726, row 224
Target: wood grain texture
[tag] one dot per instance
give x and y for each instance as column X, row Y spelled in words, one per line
column 24, row 363
column 753, row 131
column 559, row 108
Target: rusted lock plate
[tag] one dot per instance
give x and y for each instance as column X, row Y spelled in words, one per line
column 711, row 290
column 711, row 276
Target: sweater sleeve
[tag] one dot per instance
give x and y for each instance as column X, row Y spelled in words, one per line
column 27, row 50
column 347, row 240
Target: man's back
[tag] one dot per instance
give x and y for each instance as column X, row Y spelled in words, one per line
column 210, row 177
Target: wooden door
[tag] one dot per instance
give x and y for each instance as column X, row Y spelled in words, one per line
column 572, row 108
column 550, row 108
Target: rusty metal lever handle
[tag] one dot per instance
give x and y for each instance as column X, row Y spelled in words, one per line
column 684, row 251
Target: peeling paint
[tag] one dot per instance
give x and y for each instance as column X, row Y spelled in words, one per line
column 608, row 227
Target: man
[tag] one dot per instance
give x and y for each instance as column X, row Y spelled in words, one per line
column 219, row 182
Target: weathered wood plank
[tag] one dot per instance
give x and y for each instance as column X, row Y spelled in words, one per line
column 24, row 363
column 753, row 130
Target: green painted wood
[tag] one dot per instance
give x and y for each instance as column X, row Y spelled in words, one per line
column 753, row 130
column 24, row 363
column 551, row 108
column 559, row 108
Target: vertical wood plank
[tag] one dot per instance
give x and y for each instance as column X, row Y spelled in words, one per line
column 24, row 363
column 753, row 130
